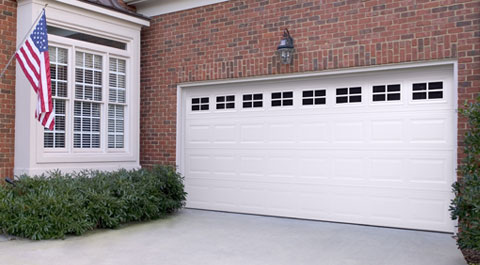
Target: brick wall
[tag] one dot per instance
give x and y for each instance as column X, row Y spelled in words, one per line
column 8, row 31
column 238, row 39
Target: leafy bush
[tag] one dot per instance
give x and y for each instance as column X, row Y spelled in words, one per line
column 466, row 204
column 53, row 206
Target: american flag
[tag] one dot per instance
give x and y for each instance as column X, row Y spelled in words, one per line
column 34, row 60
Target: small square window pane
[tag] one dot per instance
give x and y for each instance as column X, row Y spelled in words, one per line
column 79, row 58
column 98, row 78
column 258, row 96
column 86, row 140
column 59, row 140
column 342, row 91
column 61, row 88
column 221, row 106
column 378, row 89
column 354, row 99
column 77, row 141
column 319, row 93
column 435, row 94
column 247, row 104
column 258, row 104
column 392, row 97
column 98, row 62
column 308, row 101
column 195, row 107
column 355, row 90
column 48, row 140
column 121, row 66
column 204, row 107
column 421, row 95
column 276, row 95
column 380, row 97
column 247, row 97
column 60, row 123
column 204, row 100
column 96, row 110
column 95, row 141
column 111, row 141
column 419, row 86
column 230, row 105
column 61, row 72
column 230, row 98
column 62, row 56
column 435, row 85
column 79, row 75
column 220, row 99
column 276, row 103
column 88, row 77
column 288, row 102
column 288, row 94
column 113, row 80
column 341, row 100
column 113, row 65
column 319, row 101
column 77, row 123
column 308, row 93
column 121, row 96
column 393, row 88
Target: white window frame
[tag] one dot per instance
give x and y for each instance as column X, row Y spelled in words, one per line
column 72, row 47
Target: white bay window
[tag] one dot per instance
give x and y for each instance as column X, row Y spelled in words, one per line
column 95, row 77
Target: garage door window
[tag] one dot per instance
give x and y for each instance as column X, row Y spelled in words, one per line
column 349, row 95
column 314, row 97
column 386, row 92
column 431, row 90
column 282, row 99
column 226, row 102
column 200, row 104
column 252, row 101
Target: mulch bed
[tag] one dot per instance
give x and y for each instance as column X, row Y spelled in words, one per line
column 472, row 256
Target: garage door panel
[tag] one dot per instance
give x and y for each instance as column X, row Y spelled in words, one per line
column 430, row 131
column 408, row 133
column 348, row 132
column 379, row 206
column 387, row 131
column 387, row 163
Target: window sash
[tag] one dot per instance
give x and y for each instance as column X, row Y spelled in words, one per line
column 94, row 134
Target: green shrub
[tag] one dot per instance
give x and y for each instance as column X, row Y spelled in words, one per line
column 466, row 204
column 53, row 206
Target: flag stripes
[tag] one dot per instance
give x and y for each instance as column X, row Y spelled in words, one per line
column 34, row 60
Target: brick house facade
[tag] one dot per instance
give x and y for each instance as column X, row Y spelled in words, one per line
column 237, row 39
column 131, row 85
column 8, row 25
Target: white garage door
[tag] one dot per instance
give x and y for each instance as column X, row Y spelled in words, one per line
column 374, row 148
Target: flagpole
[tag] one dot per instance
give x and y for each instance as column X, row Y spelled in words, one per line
column 21, row 43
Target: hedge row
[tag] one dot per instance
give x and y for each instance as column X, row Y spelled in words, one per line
column 466, row 205
column 55, row 205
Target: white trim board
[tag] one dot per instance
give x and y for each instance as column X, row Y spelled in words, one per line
column 154, row 8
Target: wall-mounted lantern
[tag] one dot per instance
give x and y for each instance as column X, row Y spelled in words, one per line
column 285, row 49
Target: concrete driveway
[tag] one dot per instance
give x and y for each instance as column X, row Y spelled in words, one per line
column 196, row 237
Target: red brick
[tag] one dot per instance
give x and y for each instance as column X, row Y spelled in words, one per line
column 8, row 26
